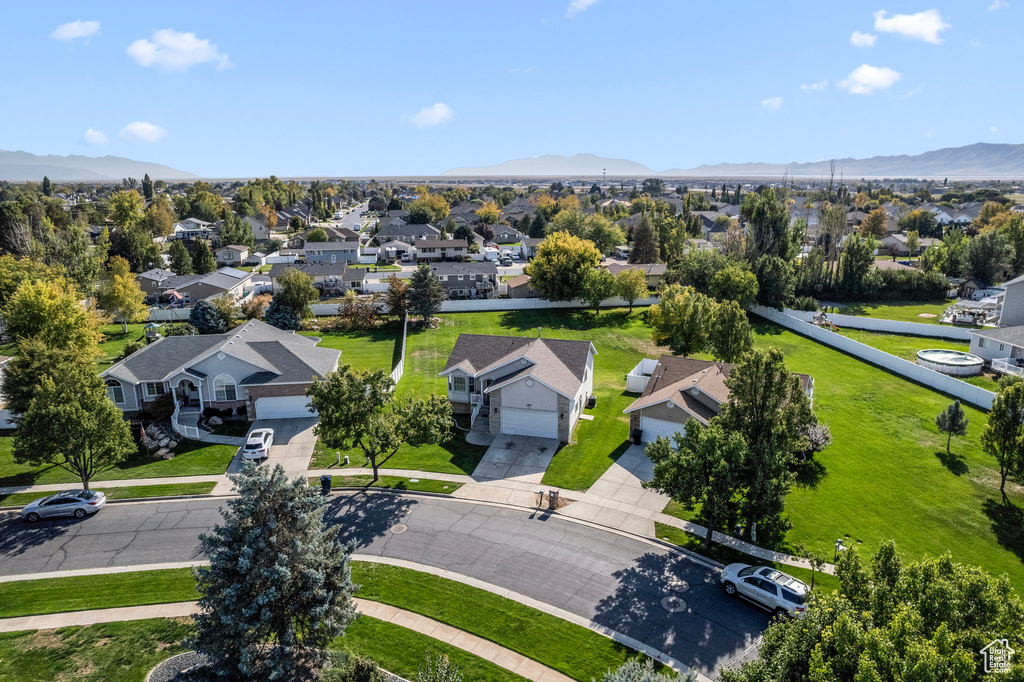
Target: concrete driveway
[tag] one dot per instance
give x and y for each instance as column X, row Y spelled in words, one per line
column 292, row 448
column 522, row 459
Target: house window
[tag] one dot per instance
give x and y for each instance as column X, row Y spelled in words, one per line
column 115, row 391
column 224, row 388
column 981, row 342
column 154, row 388
column 459, row 384
column 1000, row 347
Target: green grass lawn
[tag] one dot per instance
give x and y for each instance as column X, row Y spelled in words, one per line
column 906, row 311
column 113, row 345
column 902, row 346
column 370, row 349
column 391, row 482
column 823, row 582
column 109, row 652
column 886, row 474
column 124, row 492
column 193, row 459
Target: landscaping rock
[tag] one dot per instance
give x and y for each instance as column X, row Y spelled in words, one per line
column 162, row 452
column 169, row 455
column 215, row 421
column 164, row 441
column 171, row 445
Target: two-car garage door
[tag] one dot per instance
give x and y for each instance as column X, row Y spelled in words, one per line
column 539, row 423
column 652, row 428
column 283, row 407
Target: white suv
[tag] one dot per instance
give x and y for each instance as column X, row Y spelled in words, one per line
column 767, row 587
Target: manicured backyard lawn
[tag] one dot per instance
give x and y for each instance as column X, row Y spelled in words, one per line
column 116, row 340
column 363, row 349
column 193, row 459
column 906, row 311
column 124, row 492
column 902, row 346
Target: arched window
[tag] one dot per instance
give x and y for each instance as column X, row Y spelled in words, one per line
column 115, row 391
column 224, row 388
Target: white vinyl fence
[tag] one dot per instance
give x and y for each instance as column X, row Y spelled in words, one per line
column 940, row 382
column 169, row 314
column 873, row 324
column 399, row 370
column 482, row 304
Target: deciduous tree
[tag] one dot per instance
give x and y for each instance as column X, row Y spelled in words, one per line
column 317, row 234
column 630, row 285
column 598, row 286
column 181, row 259
column 126, row 208
column 120, row 295
column 874, row 225
column 562, row 262
column 396, row 297
column 488, row 213
column 296, row 291
column 202, row 258
column 953, row 422
column 1003, row 437
column 730, row 336
column 681, row 319
column 733, row 283
column 52, row 312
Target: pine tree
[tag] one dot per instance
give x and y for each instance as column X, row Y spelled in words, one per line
column 205, row 318
column 147, row 187
column 281, row 316
column 645, row 243
column 425, row 293
column 202, row 258
column 539, row 225
column 278, row 588
column 953, row 422
column 181, row 261
column 47, row 187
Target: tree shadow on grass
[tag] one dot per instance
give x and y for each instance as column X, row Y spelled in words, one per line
column 764, row 328
column 564, row 318
column 952, row 461
column 810, row 473
column 364, row 516
column 1008, row 524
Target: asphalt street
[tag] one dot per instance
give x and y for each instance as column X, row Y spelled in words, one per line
column 614, row 580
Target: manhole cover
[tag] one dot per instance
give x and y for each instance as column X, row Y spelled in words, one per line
column 399, row 528
column 677, row 585
column 673, row 604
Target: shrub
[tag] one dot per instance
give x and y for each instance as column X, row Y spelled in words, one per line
column 805, row 303
column 179, row 329
column 131, row 347
column 162, row 408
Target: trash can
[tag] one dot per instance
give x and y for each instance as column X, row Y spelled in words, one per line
column 325, row 484
column 637, row 435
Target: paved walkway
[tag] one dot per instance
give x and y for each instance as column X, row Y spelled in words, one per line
column 478, row 646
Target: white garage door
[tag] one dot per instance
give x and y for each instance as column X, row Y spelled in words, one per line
column 283, row 407
column 540, row 423
column 653, row 428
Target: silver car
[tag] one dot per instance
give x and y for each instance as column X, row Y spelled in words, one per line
column 77, row 503
column 767, row 587
column 257, row 445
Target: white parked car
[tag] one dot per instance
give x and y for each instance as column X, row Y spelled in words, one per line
column 77, row 503
column 257, row 445
column 767, row 587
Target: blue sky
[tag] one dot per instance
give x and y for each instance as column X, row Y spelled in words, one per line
column 395, row 88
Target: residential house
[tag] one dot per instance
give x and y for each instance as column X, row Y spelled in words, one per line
column 530, row 246
column 260, row 231
column 233, row 254
column 897, row 244
column 474, row 279
column 519, row 287
column 160, row 284
column 255, row 369
column 517, row 209
column 328, row 277
column 193, row 228
column 332, row 252
column 522, row 386
column 654, row 272
column 503, row 234
column 1002, row 348
column 677, row 389
column 441, row 249
column 406, row 233
column 1012, row 313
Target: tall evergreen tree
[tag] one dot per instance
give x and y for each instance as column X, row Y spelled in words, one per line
column 278, row 588
column 47, row 187
column 147, row 187
column 181, row 260
column 202, row 258
column 426, row 294
column 646, row 248
column 538, row 226
column 205, row 318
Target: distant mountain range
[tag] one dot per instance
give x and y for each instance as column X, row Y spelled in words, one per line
column 976, row 161
column 17, row 166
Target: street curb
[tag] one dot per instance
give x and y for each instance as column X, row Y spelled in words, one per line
column 136, row 500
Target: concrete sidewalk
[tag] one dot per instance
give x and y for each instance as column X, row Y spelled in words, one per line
column 478, row 646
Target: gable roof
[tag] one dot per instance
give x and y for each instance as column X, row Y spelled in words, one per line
column 654, row 269
column 1011, row 335
column 485, row 267
column 558, row 363
column 312, row 269
column 278, row 356
column 517, row 281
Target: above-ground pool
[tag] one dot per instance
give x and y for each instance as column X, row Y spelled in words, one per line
column 953, row 362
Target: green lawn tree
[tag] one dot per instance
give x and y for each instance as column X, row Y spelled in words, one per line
column 630, row 285
column 120, row 295
column 776, row 282
column 1003, row 437
column 278, row 589
column 703, row 469
column 396, row 297
column 681, row 319
column 598, row 286
column 51, row 311
column 426, row 294
column 733, row 283
column 730, row 335
column 317, row 234
column 281, row 316
column 237, row 231
column 892, row 621
column 202, row 258
column 72, row 424
column 561, row 265
column 206, row 319
column 359, row 409
column 296, row 291
column 953, row 422
column 181, row 259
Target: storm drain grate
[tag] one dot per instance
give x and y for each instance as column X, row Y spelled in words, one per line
column 673, row 604
column 399, row 528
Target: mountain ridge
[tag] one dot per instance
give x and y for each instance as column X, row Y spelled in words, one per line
column 981, row 160
column 21, row 166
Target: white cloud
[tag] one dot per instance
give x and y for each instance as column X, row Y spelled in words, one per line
column 516, row 70
column 866, row 79
column 173, row 51
column 141, row 131
column 997, row 4
column 75, row 29
column 772, row 103
column 859, row 39
column 577, row 6
column 993, row 129
column 432, row 115
column 975, row 43
column 814, row 87
column 94, row 137
column 921, row 26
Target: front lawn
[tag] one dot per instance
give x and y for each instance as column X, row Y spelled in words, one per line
column 427, row 485
column 454, row 457
column 370, row 349
column 127, row 492
column 193, row 458
column 906, row 311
